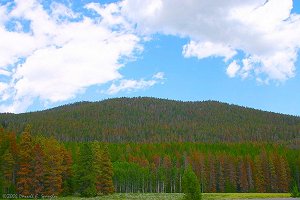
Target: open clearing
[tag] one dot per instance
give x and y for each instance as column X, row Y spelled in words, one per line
column 179, row 196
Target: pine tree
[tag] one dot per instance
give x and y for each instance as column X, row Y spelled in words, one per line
column 273, row 175
column 97, row 152
column 38, row 170
column 249, row 167
column 107, row 186
column 14, row 149
column 230, row 171
column 24, row 181
column 67, row 172
column 221, row 174
column 53, row 167
column 266, row 170
column 212, row 174
column 1, row 180
column 282, row 173
column 3, row 149
column 243, row 179
column 7, row 169
column 191, row 186
column 260, row 185
column 85, row 172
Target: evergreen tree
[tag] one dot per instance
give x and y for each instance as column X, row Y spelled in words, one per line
column 259, row 176
column 107, row 186
column 1, row 181
column 295, row 191
column 24, row 181
column 273, row 175
column 97, row 152
column 67, row 172
column 191, row 186
column 53, row 167
column 38, row 170
column 212, row 173
column 243, row 179
column 85, row 173
column 3, row 149
column 7, row 168
column 14, row 149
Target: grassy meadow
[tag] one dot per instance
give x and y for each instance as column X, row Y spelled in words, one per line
column 179, row 196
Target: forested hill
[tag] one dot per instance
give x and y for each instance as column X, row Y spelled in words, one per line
column 156, row 120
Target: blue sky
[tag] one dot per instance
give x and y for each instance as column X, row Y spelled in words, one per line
column 59, row 52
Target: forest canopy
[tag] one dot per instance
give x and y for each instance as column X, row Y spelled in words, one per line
column 157, row 120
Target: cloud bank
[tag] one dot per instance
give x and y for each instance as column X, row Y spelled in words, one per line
column 54, row 53
column 60, row 53
column 265, row 32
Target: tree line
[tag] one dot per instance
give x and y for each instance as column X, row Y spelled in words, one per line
column 38, row 165
column 220, row 167
column 245, row 167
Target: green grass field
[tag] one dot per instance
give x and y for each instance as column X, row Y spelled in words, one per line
column 178, row 196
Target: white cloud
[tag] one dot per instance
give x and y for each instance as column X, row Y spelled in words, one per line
column 232, row 69
column 59, row 58
column 110, row 14
column 17, row 106
column 207, row 49
column 159, row 76
column 87, row 59
column 133, row 85
column 265, row 31
column 14, row 45
column 60, row 11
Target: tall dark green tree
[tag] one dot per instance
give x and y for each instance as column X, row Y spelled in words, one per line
column 7, row 168
column 67, row 173
column 191, row 186
column 85, row 173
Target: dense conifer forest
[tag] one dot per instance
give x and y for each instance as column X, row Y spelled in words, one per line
column 156, row 120
column 236, row 167
column 40, row 167
column 144, row 145
column 37, row 165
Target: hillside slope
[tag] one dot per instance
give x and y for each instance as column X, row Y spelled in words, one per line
column 156, row 120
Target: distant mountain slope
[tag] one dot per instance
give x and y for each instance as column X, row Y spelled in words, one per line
column 156, row 120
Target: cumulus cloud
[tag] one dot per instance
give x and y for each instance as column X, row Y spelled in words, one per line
column 232, row 69
column 264, row 31
column 62, row 53
column 56, row 53
column 133, row 85
column 207, row 49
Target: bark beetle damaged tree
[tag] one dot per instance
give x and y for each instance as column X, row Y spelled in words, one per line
column 44, row 166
